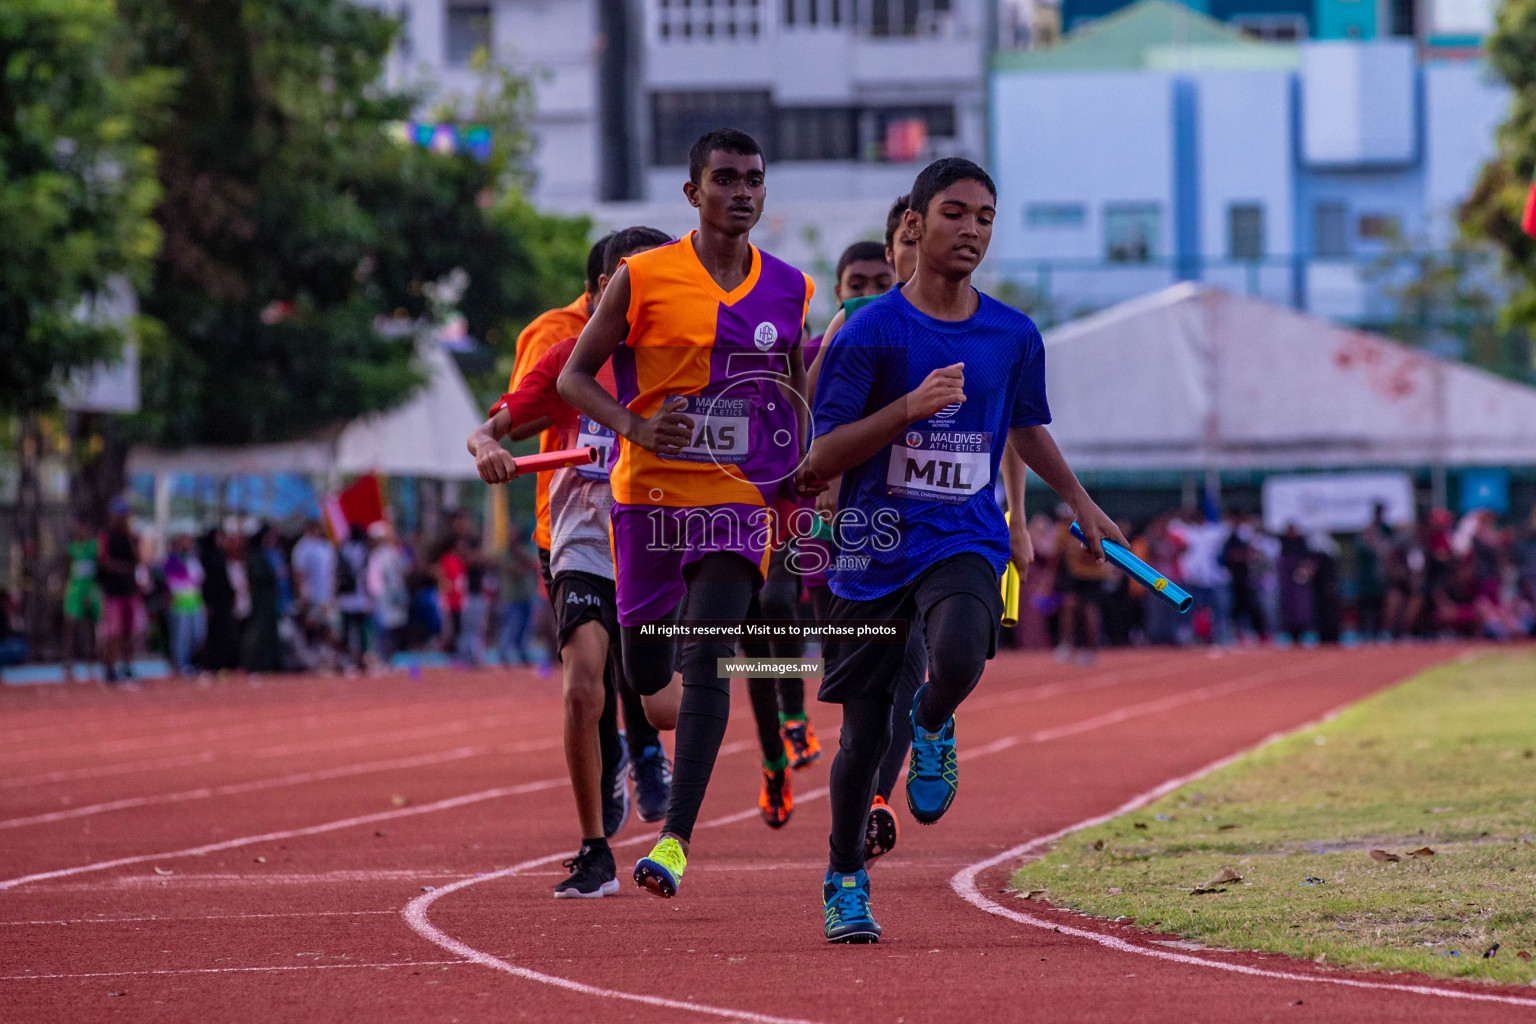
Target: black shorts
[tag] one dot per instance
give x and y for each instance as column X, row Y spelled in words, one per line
column 581, row 597
column 862, row 668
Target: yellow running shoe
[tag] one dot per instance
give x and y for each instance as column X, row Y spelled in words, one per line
column 662, row 870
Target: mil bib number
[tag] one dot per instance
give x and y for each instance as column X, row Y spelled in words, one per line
column 594, row 434
column 722, row 429
column 947, row 466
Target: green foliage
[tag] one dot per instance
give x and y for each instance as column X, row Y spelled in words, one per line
column 1492, row 211
column 298, row 222
column 77, row 185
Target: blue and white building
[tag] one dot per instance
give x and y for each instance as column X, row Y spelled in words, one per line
column 1157, row 145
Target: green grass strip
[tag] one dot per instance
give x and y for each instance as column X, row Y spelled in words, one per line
column 1445, row 762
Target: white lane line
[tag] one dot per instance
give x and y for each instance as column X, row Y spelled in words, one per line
column 296, row 779
column 233, row 970
column 203, row 757
column 964, row 885
column 201, row 917
column 415, row 912
column 311, row 830
column 293, row 833
column 1080, row 684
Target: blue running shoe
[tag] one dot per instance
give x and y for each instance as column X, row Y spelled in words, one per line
column 845, row 904
column 615, row 785
column 934, row 774
column 652, row 773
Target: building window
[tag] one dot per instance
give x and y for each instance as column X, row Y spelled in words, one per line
column 1330, row 231
column 681, row 20
column 1402, row 15
column 1381, row 227
column 678, row 118
column 1041, row 216
column 1132, row 232
column 816, row 133
column 1245, row 231
column 469, row 32
column 905, row 18
column 903, row 134
column 1274, row 28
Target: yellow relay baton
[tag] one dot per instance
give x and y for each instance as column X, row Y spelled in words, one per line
column 1011, row 587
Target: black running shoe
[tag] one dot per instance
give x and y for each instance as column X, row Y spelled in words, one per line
column 615, row 785
column 652, row 773
column 593, row 875
column 880, row 830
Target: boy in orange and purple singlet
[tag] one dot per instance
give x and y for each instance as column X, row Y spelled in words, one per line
column 704, row 335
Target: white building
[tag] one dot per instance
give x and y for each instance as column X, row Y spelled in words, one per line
column 849, row 97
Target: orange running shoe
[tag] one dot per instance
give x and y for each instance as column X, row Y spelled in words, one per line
column 801, row 746
column 776, row 803
column 880, row 830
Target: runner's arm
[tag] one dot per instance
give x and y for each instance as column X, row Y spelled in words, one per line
column 1037, row 448
column 1019, row 541
column 667, row 431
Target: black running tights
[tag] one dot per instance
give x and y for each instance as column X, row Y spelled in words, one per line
column 720, row 586
column 958, row 631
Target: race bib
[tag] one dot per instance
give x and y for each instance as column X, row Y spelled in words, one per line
column 722, row 429
column 947, row 466
column 594, row 434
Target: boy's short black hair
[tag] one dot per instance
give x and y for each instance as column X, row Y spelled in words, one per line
column 893, row 220
column 941, row 174
column 859, row 251
column 728, row 140
column 595, row 262
column 627, row 242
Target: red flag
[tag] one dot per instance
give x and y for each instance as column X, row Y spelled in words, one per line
column 1528, row 218
column 361, row 503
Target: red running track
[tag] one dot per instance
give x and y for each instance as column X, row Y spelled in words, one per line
column 383, row 850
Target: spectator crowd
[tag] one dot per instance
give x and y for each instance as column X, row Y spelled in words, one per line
column 245, row 595
column 1471, row 577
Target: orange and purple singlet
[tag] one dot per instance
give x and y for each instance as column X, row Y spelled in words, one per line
column 727, row 354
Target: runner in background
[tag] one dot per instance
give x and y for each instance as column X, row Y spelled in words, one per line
column 649, row 768
column 82, row 597
column 581, row 562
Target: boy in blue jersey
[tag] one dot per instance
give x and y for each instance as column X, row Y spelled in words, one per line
column 913, row 407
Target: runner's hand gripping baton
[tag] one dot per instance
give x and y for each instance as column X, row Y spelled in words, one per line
column 544, row 462
column 1011, row 585
column 1141, row 572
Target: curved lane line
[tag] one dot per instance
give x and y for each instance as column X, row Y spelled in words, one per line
column 964, row 885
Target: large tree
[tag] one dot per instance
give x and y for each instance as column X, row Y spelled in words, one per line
column 77, row 184
column 1492, row 212
column 296, row 217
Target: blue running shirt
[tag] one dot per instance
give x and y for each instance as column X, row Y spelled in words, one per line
column 927, row 495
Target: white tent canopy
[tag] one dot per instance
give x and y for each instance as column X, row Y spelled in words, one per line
column 1197, row 378
column 424, row 437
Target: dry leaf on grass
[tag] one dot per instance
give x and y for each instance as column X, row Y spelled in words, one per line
column 1522, row 955
column 1033, row 894
column 1204, row 890
column 1385, row 857
column 1228, row 875
column 1422, row 851
column 1226, row 828
column 1141, row 825
column 1098, row 844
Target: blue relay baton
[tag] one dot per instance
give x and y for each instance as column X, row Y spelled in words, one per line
column 1142, row 573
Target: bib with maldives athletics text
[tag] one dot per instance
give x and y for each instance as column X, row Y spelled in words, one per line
column 593, row 434
column 947, row 466
column 722, row 428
